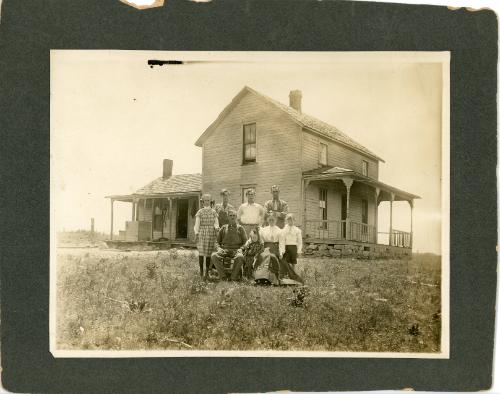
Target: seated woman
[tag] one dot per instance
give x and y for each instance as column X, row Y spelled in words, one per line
column 271, row 236
column 252, row 248
column 266, row 268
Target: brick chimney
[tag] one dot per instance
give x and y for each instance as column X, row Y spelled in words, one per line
column 296, row 100
column 167, row 168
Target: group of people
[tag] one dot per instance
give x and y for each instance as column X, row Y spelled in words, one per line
column 262, row 241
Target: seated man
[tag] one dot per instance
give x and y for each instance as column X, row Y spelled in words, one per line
column 230, row 239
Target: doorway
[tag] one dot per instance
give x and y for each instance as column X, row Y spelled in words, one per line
column 182, row 218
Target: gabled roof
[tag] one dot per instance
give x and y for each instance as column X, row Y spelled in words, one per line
column 176, row 184
column 306, row 121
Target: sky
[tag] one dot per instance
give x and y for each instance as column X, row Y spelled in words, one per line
column 114, row 119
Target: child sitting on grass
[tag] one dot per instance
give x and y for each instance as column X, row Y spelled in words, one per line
column 252, row 248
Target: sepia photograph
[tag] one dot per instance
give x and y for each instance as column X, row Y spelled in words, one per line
column 249, row 204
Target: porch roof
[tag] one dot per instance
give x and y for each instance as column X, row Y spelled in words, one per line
column 339, row 173
column 175, row 186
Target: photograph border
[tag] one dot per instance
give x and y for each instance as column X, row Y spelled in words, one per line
column 442, row 58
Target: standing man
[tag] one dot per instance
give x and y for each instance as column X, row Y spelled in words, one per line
column 223, row 208
column 277, row 206
column 230, row 239
column 250, row 214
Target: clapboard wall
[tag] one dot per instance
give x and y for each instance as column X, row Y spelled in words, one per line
column 277, row 158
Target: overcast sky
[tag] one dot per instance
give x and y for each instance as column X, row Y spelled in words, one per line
column 114, row 119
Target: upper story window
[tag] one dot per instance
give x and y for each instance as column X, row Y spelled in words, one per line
column 364, row 169
column 249, row 143
column 323, row 154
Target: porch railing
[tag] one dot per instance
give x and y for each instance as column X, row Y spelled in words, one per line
column 398, row 238
column 354, row 231
column 340, row 230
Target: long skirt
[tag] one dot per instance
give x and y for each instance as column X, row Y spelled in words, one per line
column 285, row 269
column 206, row 240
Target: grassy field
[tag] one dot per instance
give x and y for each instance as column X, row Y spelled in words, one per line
column 80, row 238
column 155, row 300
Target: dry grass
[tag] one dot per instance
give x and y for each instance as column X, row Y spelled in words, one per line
column 155, row 300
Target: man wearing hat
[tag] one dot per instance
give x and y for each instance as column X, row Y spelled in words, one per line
column 277, row 206
column 223, row 208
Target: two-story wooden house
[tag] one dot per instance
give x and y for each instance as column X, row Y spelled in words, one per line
column 329, row 180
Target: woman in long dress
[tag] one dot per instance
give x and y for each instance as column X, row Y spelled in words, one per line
column 205, row 229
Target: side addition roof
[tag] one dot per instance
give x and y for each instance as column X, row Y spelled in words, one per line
column 184, row 184
column 306, row 121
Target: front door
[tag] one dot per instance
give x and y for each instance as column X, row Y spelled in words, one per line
column 182, row 218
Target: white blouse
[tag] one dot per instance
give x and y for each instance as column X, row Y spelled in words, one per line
column 270, row 233
column 290, row 235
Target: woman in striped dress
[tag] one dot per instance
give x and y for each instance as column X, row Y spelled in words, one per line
column 205, row 229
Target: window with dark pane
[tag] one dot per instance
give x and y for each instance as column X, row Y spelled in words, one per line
column 364, row 216
column 323, row 154
column 249, row 143
column 365, row 168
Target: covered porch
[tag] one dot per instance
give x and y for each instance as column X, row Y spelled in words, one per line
column 162, row 211
column 156, row 218
column 355, row 220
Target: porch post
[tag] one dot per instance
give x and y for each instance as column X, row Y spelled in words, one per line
column 377, row 193
column 304, row 200
column 348, row 183
column 390, row 221
column 152, row 217
column 162, row 216
column 111, row 230
column 170, row 218
column 411, row 223
column 133, row 210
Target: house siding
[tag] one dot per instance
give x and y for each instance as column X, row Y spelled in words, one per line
column 338, row 155
column 277, row 161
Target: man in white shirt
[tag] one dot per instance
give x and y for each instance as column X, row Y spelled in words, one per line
column 250, row 214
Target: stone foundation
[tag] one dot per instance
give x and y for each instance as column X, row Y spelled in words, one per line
column 358, row 251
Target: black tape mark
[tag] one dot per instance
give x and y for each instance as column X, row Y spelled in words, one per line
column 160, row 63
